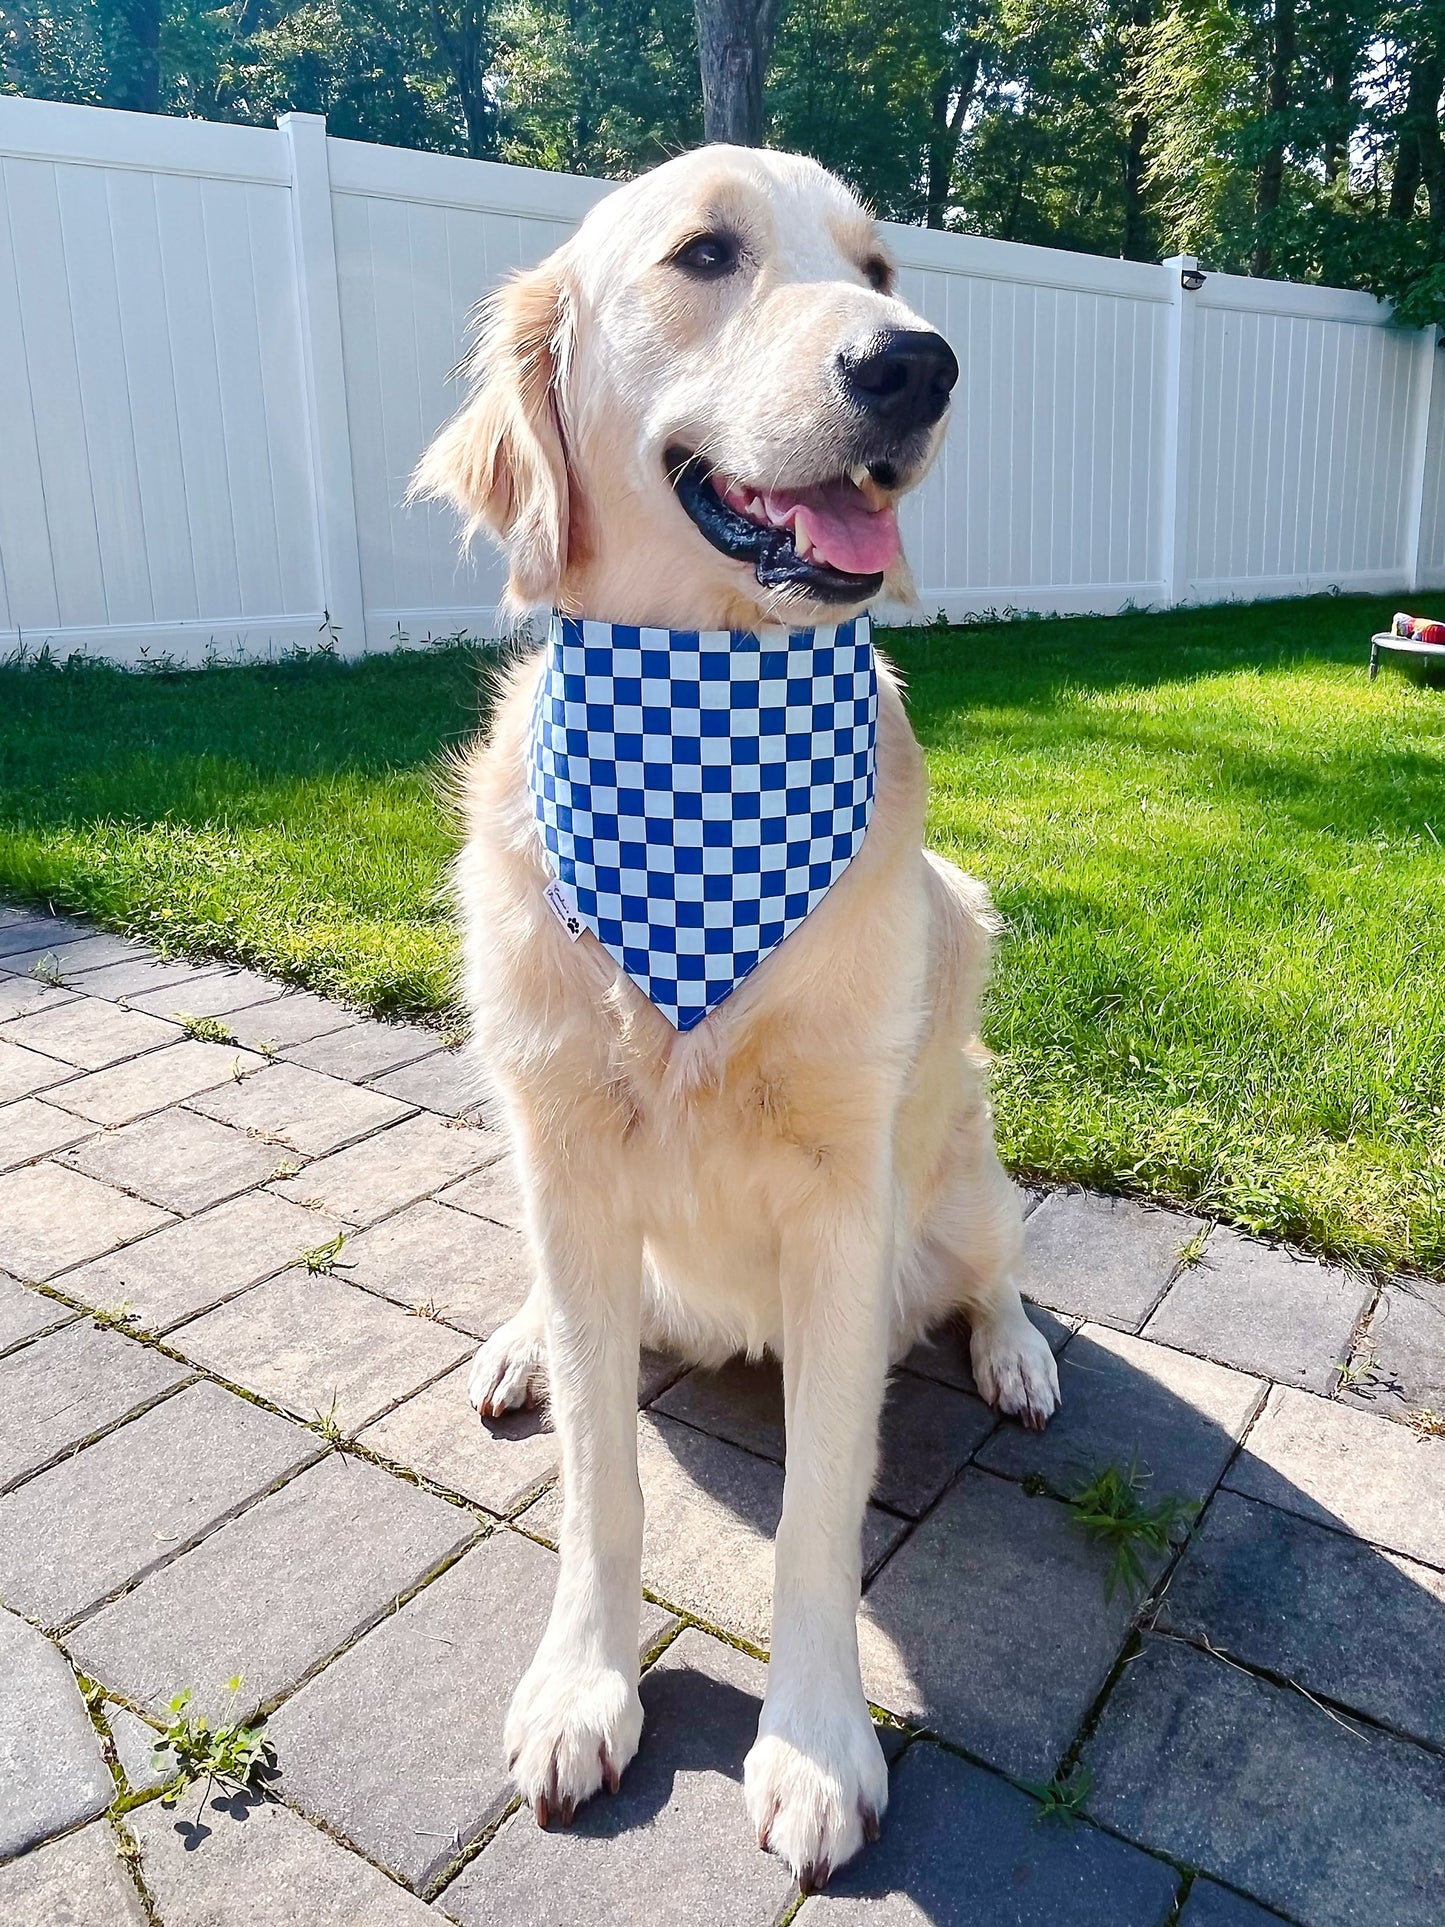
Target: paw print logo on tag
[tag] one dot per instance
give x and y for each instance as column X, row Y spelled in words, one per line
column 559, row 902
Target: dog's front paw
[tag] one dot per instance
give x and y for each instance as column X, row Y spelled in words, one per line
column 510, row 1369
column 1015, row 1370
column 571, row 1729
column 816, row 1792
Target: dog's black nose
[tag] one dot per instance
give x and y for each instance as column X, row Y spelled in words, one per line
column 902, row 377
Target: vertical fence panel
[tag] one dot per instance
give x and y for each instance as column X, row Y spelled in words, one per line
column 222, row 350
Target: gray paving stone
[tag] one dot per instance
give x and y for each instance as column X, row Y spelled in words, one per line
column 443, row 1083
column 274, row 1592
column 313, row 1344
column 373, row 1746
column 1251, row 1782
column 23, row 1072
column 498, row 1463
column 1344, row 1620
column 927, row 1431
column 89, row 1033
column 992, row 1625
column 1129, row 1403
column 52, row 1774
column 107, row 1515
column 1264, row 1310
column 177, row 1159
column 20, row 996
column 962, row 1848
column 139, row 974
column 289, row 1105
column 66, row 1387
column 491, row 1193
column 290, row 1019
column 477, row 1273
column 75, row 1882
column 1400, row 1361
column 944, row 1354
column 711, row 1512
column 144, row 1084
column 24, row 1313
column 197, row 1262
column 51, row 1219
column 26, row 933
column 674, row 1845
column 1212, row 1906
column 73, row 953
column 253, row 1861
column 135, row 1742
column 1349, row 1469
column 393, row 1168
column 364, row 1050
column 1105, row 1259
column 33, row 1129
column 215, row 995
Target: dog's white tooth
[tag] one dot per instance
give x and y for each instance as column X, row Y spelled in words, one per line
column 858, row 474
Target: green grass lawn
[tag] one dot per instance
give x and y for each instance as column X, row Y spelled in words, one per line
column 1218, row 848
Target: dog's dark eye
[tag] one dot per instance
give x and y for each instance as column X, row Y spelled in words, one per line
column 708, row 256
column 880, row 275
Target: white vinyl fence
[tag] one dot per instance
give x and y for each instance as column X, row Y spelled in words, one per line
column 222, row 349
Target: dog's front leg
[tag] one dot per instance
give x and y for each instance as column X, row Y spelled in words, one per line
column 815, row 1780
column 576, row 1718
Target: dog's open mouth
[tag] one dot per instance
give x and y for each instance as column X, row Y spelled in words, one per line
column 833, row 540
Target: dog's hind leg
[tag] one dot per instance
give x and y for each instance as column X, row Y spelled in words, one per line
column 576, row 1717
column 966, row 1259
column 509, row 1371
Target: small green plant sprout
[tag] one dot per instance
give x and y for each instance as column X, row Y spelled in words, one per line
column 287, row 1168
column 206, row 1030
column 1111, row 1509
column 329, row 1425
column 234, row 1753
column 1192, row 1250
column 322, row 1260
column 115, row 1317
column 428, row 1308
column 1062, row 1797
column 47, row 969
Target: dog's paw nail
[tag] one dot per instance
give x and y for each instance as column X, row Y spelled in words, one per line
column 611, row 1778
column 542, row 1810
column 568, row 1811
column 871, row 1827
column 814, row 1877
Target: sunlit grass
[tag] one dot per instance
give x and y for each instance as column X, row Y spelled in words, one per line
column 1215, row 844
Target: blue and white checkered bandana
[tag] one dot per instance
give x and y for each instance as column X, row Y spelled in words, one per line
column 699, row 792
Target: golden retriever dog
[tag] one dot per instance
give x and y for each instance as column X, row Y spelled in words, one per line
column 699, row 413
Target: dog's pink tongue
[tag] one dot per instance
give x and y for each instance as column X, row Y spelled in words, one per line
column 841, row 528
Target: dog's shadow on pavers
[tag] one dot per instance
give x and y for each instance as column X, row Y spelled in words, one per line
column 1263, row 1703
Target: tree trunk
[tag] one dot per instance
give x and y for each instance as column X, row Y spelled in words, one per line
column 734, row 46
column 1419, row 142
column 464, row 38
column 1271, row 173
column 135, row 64
column 1138, row 241
column 951, row 101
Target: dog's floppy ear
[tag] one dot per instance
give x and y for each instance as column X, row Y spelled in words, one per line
column 502, row 458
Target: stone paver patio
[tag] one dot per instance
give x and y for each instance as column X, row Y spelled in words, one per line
column 1260, row 1735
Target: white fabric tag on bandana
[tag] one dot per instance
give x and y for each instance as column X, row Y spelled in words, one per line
column 699, row 793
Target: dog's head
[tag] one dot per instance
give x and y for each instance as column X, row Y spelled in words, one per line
column 701, row 410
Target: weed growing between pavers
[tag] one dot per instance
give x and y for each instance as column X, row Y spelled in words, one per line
column 233, row 1753
column 1191, row 1251
column 1063, row 1796
column 1109, row 1507
column 330, row 1427
column 322, row 1260
column 206, row 1030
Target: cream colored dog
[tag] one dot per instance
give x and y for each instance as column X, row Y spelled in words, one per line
column 698, row 413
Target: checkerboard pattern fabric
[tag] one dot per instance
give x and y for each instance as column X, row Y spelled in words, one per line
column 699, row 793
